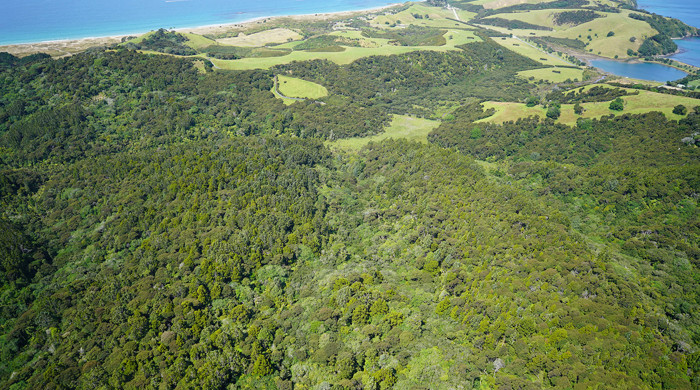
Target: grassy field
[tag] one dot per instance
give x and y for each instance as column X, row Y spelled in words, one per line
column 621, row 24
column 534, row 53
column 199, row 65
column 196, row 41
column 298, row 88
column 637, row 104
column 553, row 75
column 437, row 17
column 402, row 126
column 277, row 35
column 349, row 55
column 495, row 4
column 363, row 41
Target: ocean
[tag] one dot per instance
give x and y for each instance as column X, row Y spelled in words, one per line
column 689, row 12
column 686, row 10
column 27, row 21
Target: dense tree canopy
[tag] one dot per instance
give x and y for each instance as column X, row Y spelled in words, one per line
column 166, row 228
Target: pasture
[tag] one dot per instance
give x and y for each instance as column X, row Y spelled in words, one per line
column 525, row 49
column 262, row 38
column 621, row 24
column 402, row 126
column 298, row 88
column 646, row 101
column 423, row 15
column 553, row 75
column 348, row 55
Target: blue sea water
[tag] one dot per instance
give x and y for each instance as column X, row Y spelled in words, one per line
column 686, row 10
column 689, row 12
column 689, row 51
column 24, row 21
column 641, row 71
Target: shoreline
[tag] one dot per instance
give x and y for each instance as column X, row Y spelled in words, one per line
column 209, row 28
column 65, row 47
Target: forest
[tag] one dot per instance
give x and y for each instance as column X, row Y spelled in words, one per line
column 170, row 225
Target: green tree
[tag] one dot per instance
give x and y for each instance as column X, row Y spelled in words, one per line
column 360, row 315
column 379, row 307
column 262, row 366
column 680, row 110
column 554, row 111
column 617, row 104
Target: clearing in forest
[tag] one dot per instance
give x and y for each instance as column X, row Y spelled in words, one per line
column 298, row 88
column 402, row 126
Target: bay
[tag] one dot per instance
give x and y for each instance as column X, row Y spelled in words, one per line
column 689, row 51
column 643, row 71
column 689, row 12
column 29, row 21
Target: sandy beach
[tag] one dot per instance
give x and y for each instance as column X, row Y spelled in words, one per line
column 61, row 48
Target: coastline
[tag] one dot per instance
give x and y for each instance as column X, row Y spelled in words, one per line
column 66, row 47
column 220, row 27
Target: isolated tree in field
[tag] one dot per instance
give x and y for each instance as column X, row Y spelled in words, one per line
column 578, row 109
column 680, row 110
column 617, row 105
column 554, row 111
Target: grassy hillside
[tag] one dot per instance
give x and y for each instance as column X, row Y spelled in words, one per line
column 423, row 15
column 527, row 49
column 348, row 54
column 623, row 27
column 553, row 75
column 645, row 101
column 262, row 38
column 294, row 87
column 401, row 127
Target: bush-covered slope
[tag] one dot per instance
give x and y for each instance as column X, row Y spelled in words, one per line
column 168, row 229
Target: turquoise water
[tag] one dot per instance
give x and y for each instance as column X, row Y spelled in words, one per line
column 642, row 71
column 24, row 21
